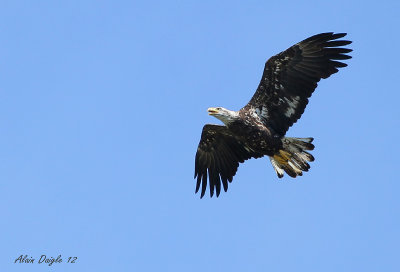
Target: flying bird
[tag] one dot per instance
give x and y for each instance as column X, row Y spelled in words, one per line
column 259, row 128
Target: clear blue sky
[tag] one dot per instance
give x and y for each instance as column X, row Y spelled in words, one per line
column 101, row 109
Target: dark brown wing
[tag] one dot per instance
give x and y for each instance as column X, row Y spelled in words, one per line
column 291, row 77
column 218, row 156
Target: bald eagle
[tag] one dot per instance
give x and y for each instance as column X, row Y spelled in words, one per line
column 259, row 128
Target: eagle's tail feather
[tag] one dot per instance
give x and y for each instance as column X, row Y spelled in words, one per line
column 293, row 157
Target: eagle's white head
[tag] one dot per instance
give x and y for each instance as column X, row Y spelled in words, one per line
column 226, row 116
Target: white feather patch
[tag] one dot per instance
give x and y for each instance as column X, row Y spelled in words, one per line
column 295, row 168
column 292, row 105
column 278, row 170
column 304, row 156
column 262, row 113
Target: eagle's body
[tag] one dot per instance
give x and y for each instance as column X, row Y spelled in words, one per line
column 259, row 128
column 256, row 136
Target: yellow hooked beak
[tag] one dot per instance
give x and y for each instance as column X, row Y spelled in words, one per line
column 212, row 111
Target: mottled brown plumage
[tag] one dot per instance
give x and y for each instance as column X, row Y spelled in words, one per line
column 259, row 128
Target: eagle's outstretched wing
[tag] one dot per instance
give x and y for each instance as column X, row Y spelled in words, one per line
column 291, row 76
column 218, row 156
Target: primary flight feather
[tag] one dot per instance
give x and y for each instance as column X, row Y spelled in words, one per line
column 259, row 128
